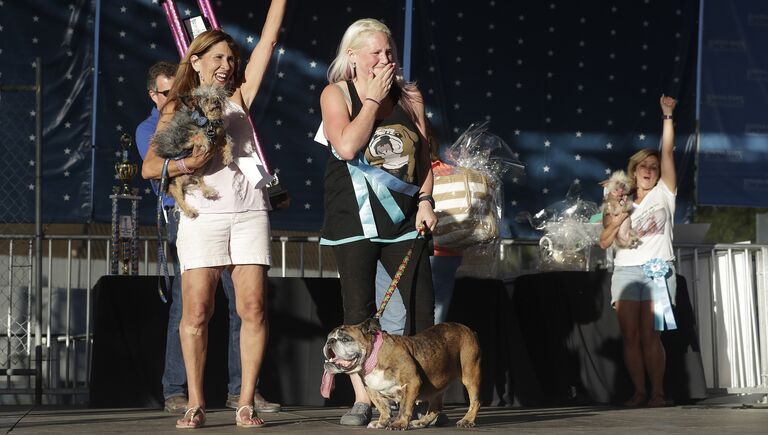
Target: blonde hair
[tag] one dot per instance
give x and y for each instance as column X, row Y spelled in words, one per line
column 341, row 69
column 186, row 76
column 354, row 37
column 636, row 159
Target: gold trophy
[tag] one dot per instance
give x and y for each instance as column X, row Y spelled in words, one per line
column 125, row 228
column 125, row 170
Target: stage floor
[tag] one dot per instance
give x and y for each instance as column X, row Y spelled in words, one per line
column 728, row 419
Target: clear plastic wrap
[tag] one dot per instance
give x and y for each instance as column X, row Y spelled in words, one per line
column 568, row 234
column 468, row 190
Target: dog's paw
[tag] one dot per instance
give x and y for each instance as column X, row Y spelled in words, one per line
column 398, row 425
column 464, row 423
column 376, row 425
column 226, row 152
column 417, row 424
column 209, row 193
column 191, row 213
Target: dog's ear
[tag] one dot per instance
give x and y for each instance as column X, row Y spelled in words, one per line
column 616, row 176
column 188, row 100
column 371, row 326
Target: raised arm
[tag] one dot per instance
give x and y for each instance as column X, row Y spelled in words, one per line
column 668, row 174
column 262, row 53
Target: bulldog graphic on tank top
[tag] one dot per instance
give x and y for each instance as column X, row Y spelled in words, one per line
column 392, row 148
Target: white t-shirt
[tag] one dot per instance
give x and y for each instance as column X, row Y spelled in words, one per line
column 652, row 219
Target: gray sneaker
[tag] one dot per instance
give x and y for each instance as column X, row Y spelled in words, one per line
column 359, row 415
column 176, row 404
column 260, row 404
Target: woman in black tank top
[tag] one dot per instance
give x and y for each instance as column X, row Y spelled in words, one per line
column 378, row 182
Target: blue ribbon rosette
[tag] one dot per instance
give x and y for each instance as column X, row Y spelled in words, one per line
column 657, row 269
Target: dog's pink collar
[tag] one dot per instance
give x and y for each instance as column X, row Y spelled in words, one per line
column 373, row 358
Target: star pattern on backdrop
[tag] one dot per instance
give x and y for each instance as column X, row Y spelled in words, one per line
column 58, row 34
column 576, row 99
column 571, row 87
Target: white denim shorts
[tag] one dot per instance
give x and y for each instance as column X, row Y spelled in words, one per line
column 222, row 239
column 629, row 283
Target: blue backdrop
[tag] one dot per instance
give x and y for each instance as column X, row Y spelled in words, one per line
column 572, row 87
column 734, row 127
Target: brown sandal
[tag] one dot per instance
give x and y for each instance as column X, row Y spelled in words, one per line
column 251, row 420
column 637, row 400
column 194, row 418
column 657, row 401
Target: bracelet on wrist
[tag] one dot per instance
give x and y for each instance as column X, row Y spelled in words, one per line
column 182, row 167
column 429, row 199
column 378, row 103
column 666, row 117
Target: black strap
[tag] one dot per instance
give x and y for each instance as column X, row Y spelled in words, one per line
column 162, row 261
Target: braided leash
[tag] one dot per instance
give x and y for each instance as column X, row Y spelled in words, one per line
column 396, row 278
column 162, row 261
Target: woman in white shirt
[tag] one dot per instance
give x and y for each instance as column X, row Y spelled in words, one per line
column 653, row 177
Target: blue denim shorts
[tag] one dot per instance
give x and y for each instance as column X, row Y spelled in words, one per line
column 629, row 283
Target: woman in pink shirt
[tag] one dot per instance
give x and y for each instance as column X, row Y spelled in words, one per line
column 232, row 229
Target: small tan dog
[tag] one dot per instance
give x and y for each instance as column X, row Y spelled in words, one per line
column 195, row 127
column 406, row 369
column 617, row 200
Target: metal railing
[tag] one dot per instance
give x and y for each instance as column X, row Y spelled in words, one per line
column 71, row 266
column 729, row 295
column 727, row 285
column 19, row 329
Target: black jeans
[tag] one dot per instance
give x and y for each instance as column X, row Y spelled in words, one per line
column 356, row 262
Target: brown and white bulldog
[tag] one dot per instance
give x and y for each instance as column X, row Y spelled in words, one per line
column 406, row 369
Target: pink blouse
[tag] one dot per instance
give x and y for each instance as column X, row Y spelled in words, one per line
column 236, row 193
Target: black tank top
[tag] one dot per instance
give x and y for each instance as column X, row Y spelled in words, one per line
column 394, row 146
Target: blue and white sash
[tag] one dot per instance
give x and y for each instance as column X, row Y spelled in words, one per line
column 381, row 183
column 657, row 270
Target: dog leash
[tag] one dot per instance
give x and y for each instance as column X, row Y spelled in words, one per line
column 162, row 261
column 398, row 275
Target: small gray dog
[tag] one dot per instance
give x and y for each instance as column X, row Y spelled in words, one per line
column 197, row 126
column 618, row 200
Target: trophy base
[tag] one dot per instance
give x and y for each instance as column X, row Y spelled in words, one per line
column 278, row 196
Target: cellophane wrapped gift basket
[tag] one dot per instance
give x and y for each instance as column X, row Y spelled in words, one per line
column 570, row 233
column 468, row 192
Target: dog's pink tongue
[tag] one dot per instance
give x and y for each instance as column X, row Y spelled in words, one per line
column 327, row 384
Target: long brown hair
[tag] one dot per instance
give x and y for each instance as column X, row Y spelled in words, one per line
column 186, row 76
column 434, row 142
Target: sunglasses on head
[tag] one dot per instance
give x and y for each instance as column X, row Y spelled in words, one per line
column 163, row 93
